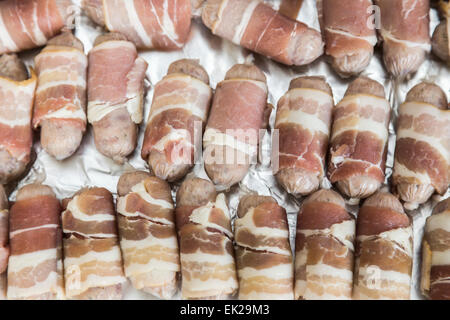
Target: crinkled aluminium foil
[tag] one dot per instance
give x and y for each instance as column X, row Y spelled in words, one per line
column 89, row 168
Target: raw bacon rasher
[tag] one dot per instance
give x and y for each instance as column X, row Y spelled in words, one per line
column 422, row 152
column 16, row 107
column 115, row 95
column 383, row 256
column 148, row 237
column 349, row 34
column 238, row 112
column 405, row 31
column 35, row 269
column 358, row 144
column 263, row 252
column 150, row 24
column 206, row 242
column 92, row 257
column 435, row 282
column 178, row 115
column 27, row 24
column 303, row 122
column 324, row 248
column 257, row 27
column 60, row 104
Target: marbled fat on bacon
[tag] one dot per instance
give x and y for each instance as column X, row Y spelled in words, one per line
column 35, row 268
column 60, row 104
column 257, row 27
column 148, row 237
column 151, row 24
column 206, row 249
column 422, row 154
column 115, row 95
column 349, row 37
column 237, row 114
column 324, row 248
column 28, row 24
column 303, row 122
column 92, row 257
column 383, row 258
column 435, row 282
column 263, row 252
column 359, row 139
column 405, row 31
column 16, row 103
column 178, row 114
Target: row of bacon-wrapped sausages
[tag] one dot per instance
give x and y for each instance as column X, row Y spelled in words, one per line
column 91, row 248
column 354, row 133
column 349, row 28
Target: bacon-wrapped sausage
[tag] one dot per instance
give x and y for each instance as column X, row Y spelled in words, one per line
column 257, row 27
column 92, row 257
column 263, row 252
column 303, row 120
column 180, row 107
column 150, row 24
column 440, row 43
column 324, row 248
column 28, row 24
column 405, row 31
column 383, row 258
column 422, row 156
column 359, row 139
column 60, row 105
column 4, row 240
column 435, row 282
column 115, row 95
column 16, row 104
column 148, row 236
column 205, row 237
column 349, row 37
column 35, row 268
column 238, row 112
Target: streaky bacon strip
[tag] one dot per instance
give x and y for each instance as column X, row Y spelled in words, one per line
column 349, row 37
column 359, row 139
column 92, row 257
column 422, row 155
column 263, row 252
column 151, row 24
column 28, row 24
column 405, row 30
column 4, row 241
column 16, row 105
column 205, row 237
column 257, row 27
column 232, row 132
column 61, row 92
column 303, row 122
column 180, row 106
column 324, row 248
column 35, row 268
column 115, row 95
column 148, row 237
column 383, row 258
column 115, row 79
column 435, row 282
